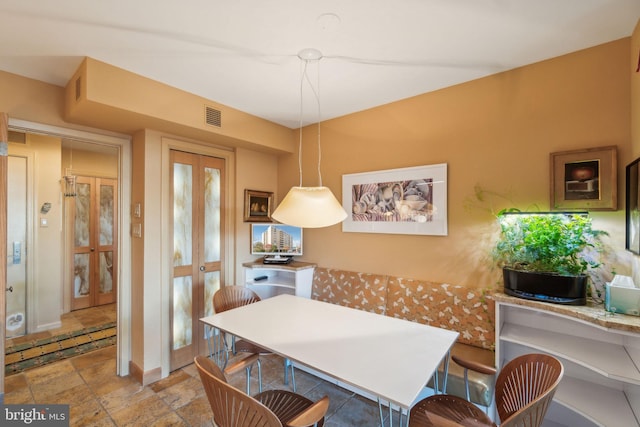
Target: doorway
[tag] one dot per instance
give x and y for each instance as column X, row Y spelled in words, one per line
column 47, row 292
column 197, row 197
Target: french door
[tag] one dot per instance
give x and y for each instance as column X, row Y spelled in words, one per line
column 95, row 246
column 197, row 198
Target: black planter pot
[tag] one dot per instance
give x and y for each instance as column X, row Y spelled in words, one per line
column 547, row 287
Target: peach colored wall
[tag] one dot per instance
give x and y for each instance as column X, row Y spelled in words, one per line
column 259, row 171
column 103, row 163
column 32, row 100
column 496, row 133
column 116, row 99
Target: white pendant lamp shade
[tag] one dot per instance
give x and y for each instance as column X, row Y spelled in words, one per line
column 309, row 207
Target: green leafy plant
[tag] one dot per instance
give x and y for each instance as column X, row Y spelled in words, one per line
column 562, row 243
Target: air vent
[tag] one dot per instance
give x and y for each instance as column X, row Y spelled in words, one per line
column 213, row 117
column 78, row 88
column 17, row 137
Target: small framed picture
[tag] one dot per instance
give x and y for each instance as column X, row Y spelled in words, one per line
column 584, row 179
column 257, row 206
column 632, row 207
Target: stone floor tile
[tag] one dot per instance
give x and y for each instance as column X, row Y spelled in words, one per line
column 125, row 397
column 197, row 412
column 140, row 413
column 181, row 393
column 89, row 413
column 46, row 391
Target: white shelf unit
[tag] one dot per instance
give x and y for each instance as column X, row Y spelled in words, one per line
column 294, row 278
column 602, row 364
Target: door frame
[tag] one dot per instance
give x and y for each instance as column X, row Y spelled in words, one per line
column 123, row 144
column 31, row 235
column 227, row 243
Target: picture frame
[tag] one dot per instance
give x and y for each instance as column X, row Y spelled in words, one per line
column 257, row 206
column 584, row 179
column 632, row 207
column 409, row 200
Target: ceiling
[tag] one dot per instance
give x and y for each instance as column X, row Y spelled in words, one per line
column 244, row 53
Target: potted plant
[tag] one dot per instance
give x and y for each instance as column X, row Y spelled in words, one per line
column 546, row 255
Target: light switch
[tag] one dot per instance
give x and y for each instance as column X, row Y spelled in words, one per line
column 136, row 230
column 137, row 210
column 44, row 222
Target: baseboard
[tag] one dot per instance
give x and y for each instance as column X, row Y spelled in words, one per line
column 46, row 327
column 144, row 378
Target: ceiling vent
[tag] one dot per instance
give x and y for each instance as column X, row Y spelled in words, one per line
column 213, row 117
column 17, row 137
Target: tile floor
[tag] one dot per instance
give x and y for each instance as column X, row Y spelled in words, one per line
column 73, row 321
column 97, row 397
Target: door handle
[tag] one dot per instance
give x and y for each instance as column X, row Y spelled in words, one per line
column 92, row 249
column 9, row 289
column 202, row 268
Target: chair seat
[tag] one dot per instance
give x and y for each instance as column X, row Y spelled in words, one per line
column 452, row 408
column 481, row 386
column 285, row 404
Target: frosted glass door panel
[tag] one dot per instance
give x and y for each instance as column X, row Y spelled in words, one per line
column 211, row 285
column 81, row 275
column 107, row 238
column 182, row 308
column 212, row 215
column 83, row 215
column 106, row 214
column 182, row 214
column 106, row 272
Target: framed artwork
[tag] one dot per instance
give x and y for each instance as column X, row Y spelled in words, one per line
column 398, row 201
column 584, row 179
column 257, row 206
column 632, row 210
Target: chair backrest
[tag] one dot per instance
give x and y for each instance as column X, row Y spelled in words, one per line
column 231, row 407
column 229, row 297
column 525, row 387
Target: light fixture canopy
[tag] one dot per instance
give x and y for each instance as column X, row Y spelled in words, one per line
column 309, row 207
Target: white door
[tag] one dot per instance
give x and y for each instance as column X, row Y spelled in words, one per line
column 16, row 322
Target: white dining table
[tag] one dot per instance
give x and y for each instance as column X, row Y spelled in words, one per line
column 384, row 356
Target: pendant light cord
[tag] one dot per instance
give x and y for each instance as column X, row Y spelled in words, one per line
column 316, row 93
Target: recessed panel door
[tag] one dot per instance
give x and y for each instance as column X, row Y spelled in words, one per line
column 197, row 197
column 95, row 230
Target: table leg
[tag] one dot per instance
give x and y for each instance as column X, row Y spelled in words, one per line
column 446, row 371
column 216, row 346
column 400, row 411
